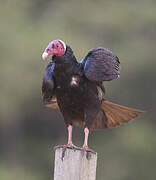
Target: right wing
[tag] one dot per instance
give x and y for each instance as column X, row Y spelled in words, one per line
column 100, row 65
column 48, row 84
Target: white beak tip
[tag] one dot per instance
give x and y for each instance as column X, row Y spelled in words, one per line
column 44, row 55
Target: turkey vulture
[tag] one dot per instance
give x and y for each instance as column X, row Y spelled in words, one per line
column 76, row 89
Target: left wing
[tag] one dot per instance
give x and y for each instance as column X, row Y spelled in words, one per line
column 48, row 84
column 101, row 64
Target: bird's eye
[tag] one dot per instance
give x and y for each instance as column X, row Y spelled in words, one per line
column 57, row 45
column 53, row 46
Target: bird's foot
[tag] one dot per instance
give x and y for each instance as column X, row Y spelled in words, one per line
column 69, row 145
column 85, row 148
column 64, row 148
column 88, row 151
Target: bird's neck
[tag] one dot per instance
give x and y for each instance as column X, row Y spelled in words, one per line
column 67, row 58
column 65, row 67
column 66, row 63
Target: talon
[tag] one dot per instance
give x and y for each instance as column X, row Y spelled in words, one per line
column 69, row 145
column 58, row 146
column 85, row 148
column 63, row 151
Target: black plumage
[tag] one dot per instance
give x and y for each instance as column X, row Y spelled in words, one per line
column 48, row 85
column 79, row 103
column 101, row 64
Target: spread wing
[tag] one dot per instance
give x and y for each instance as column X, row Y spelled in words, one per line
column 48, row 84
column 101, row 64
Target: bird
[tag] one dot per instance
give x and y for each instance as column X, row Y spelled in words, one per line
column 77, row 90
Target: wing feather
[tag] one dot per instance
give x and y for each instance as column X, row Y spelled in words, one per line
column 101, row 64
column 48, row 84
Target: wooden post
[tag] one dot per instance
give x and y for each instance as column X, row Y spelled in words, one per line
column 76, row 164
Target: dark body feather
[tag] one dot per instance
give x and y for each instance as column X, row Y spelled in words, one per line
column 78, row 88
column 48, row 85
column 101, row 64
column 78, row 103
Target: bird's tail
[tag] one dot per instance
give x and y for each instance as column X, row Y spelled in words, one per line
column 111, row 115
column 114, row 115
column 53, row 103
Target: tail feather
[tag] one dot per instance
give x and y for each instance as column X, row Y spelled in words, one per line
column 117, row 114
column 53, row 105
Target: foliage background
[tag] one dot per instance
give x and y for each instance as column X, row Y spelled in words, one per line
column 28, row 131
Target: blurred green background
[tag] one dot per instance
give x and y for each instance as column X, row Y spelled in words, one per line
column 29, row 131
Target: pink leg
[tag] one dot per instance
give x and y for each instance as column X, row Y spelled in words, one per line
column 86, row 131
column 69, row 144
column 70, row 135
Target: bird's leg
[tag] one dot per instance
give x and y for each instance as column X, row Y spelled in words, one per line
column 85, row 145
column 69, row 144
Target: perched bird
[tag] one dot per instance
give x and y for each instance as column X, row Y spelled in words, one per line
column 76, row 89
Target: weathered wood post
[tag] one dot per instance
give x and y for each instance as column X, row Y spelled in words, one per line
column 77, row 164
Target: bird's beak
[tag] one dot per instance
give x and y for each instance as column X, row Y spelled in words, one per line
column 45, row 55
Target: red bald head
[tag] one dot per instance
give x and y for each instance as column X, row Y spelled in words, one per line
column 56, row 47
